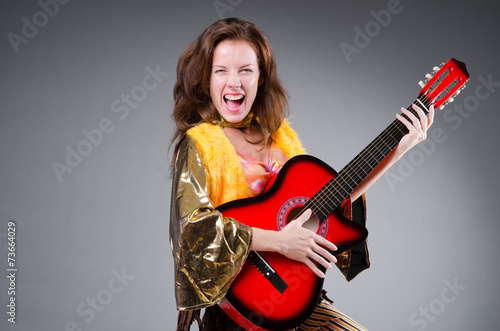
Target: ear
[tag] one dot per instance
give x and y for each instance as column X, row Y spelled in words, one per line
column 261, row 80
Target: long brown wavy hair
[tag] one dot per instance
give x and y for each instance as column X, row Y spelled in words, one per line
column 193, row 103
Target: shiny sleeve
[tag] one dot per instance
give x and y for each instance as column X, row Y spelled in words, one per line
column 208, row 249
column 352, row 262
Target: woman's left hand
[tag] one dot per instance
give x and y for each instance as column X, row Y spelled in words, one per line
column 417, row 128
column 417, row 132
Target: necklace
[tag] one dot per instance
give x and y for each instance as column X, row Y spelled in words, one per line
column 245, row 123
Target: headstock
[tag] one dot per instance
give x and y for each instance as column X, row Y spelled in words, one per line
column 445, row 82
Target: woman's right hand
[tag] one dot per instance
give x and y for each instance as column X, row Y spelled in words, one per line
column 297, row 243
column 303, row 245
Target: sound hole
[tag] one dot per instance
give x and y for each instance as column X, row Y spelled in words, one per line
column 311, row 224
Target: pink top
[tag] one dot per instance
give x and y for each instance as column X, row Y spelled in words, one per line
column 258, row 173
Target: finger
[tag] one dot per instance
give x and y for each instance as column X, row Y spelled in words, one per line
column 320, row 260
column 325, row 254
column 423, row 121
column 413, row 118
column 431, row 116
column 420, row 112
column 314, row 268
column 323, row 242
column 406, row 123
column 421, row 115
column 304, row 217
column 412, row 130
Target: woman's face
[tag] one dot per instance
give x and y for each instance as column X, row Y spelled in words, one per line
column 234, row 79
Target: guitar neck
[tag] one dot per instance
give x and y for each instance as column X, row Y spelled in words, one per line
column 325, row 201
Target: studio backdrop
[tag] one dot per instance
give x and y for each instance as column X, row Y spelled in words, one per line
column 85, row 127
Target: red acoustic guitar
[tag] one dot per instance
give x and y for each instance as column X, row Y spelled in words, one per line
column 273, row 292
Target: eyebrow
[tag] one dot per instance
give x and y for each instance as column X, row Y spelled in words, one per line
column 243, row 66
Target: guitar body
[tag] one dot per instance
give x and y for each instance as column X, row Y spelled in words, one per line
column 253, row 301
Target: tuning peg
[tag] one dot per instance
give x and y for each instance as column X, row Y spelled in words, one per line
column 438, row 67
column 450, row 100
column 428, row 76
column 425, row 81
column 459, row 90
column 421, row 83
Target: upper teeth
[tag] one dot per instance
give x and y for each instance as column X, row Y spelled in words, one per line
column 234, row 97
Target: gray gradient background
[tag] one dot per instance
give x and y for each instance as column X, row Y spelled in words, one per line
column 438, row 224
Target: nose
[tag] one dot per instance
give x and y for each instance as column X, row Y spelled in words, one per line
column 234, row 81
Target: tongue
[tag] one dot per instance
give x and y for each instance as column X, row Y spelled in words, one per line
column 233, row 103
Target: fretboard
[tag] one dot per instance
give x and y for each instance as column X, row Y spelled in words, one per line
column 326, row 200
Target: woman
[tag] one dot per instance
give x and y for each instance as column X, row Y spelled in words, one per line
column 231, row 137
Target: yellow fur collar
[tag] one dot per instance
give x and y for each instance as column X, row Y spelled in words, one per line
column 226, row 179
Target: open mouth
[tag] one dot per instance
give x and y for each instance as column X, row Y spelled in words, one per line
column 234, row 100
